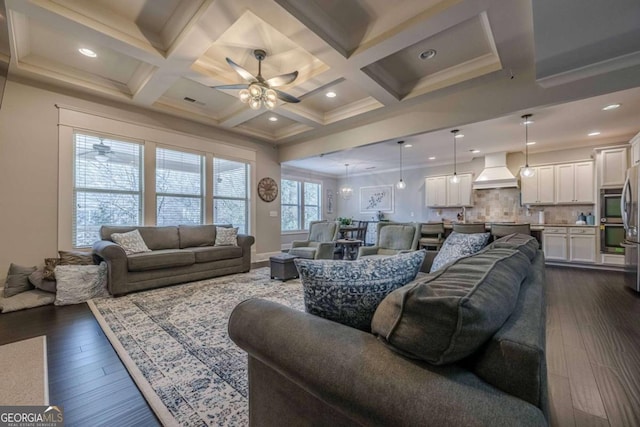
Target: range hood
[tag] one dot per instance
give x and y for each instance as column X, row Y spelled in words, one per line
column 495, row 173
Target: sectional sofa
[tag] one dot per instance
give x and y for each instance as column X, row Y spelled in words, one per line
column 430, row 360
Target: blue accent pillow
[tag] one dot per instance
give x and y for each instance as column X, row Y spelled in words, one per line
column 349, row 292
column 458, row 245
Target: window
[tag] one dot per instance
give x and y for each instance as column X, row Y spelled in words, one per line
column 107, row 186
column 179, row 187
column 300, row 204
column 231, row 193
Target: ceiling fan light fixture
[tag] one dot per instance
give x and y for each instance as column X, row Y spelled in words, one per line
column 255, row 103
column 255, row 91
column 271, row 95
column 269, row 104
column 244, row 95
column 102, row 158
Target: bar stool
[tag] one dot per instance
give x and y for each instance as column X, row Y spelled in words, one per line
column 432, row 235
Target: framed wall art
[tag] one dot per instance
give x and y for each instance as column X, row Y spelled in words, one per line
column 376, row 198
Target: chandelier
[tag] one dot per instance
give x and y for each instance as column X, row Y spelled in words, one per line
column 528, row 171
column 346, row 192
column 257, row 95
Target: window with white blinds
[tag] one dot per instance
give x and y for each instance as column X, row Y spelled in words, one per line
column 107, row 186
column 300, row 204
column 179, row 187
column 231, row 193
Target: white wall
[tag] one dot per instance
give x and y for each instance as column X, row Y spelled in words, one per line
column 29, row 168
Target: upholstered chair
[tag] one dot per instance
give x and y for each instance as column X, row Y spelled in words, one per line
column 320, row 243
column 432, row 235
column 393, row 238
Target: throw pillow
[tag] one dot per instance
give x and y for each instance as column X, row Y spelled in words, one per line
column 449, row 315
column 131, row 242
column 49, row 272
column 458, row 245
column 75, row 258
column 226, row 236
column 17, row 280
column 28, row 299
column 37, row 279
column 80, row 283
column 349, row 292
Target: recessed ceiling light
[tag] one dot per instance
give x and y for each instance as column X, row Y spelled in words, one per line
column 474, row 151
column 528, row 122
column 408, row 146
column 531, row 143
column 460, row 135
column 595, row 133
column 427, row 54
column 331, row 95
column 611, row 107
column 273, row 119
column 87, row 52
column 432, row 158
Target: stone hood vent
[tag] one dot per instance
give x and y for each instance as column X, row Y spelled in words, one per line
column 495, row 173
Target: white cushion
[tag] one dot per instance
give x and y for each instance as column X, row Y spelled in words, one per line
column 132, row 242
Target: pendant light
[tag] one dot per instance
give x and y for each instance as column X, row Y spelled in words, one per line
column 401, row 185
column 455, row 178
column 346, row 191
column 527, row 172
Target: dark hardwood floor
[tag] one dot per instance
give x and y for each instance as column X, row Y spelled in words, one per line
column 593, row 355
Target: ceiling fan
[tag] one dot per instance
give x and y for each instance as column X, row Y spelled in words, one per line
column 260, row 91
column 101, row 152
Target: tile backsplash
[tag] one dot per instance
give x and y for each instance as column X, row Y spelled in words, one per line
column 503, row 205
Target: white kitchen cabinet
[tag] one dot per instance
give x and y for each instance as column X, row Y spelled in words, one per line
column 573, row 244
column 441, row 192
column 613, row 167
column 582, row 244
column 459, row 194
column 554, row 243
column 436, row 188
column 574, row 183
column 539, row 189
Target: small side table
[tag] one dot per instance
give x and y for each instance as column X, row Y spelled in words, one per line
column 283, row 267
column 350, row 248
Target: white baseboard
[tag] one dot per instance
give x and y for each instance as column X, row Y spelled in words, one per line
column 263, row 256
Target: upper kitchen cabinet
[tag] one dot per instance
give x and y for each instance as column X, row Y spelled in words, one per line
column 436, row 191
column 539, row 189
column 612, row 163
column 574, row 183
column 459, row 194
column 442, row 193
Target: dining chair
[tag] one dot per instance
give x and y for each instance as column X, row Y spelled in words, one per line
column 469, row 228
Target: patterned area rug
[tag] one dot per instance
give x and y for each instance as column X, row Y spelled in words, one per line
column 174, row 343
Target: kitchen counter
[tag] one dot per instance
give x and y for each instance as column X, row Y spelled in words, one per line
column 534, row 227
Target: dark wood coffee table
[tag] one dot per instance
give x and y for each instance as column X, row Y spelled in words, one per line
column 283, row 267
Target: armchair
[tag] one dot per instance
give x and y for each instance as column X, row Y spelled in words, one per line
column 320, row 243
column 393, row 238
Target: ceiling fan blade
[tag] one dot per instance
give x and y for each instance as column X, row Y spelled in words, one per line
column 286, row 97
column 240, row 86
column 242, row 72
column 282, row 80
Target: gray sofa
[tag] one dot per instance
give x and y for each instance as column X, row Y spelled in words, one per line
column 312, row 371
column 178, row 254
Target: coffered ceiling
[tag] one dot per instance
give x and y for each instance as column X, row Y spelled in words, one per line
column 166, row 55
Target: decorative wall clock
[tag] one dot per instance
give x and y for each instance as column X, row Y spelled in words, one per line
column 267, row 189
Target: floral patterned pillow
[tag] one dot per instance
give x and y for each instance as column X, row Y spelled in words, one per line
column 131, row 242
column 349, row 292
column 458, row 245
column 226, row 236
